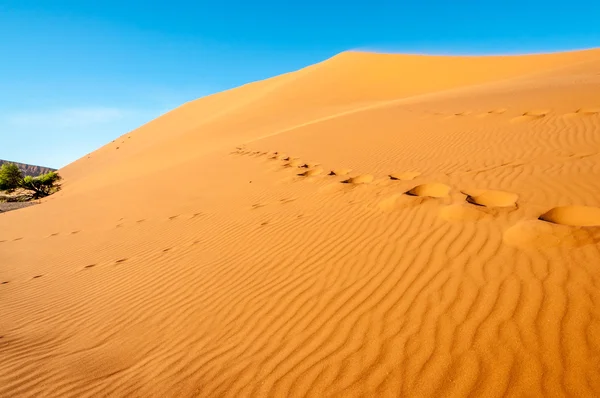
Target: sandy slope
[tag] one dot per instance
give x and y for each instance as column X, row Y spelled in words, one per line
column 443, row 240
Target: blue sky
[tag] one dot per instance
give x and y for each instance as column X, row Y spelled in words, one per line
column 76, row 74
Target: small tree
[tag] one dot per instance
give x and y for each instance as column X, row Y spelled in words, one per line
column 42, row 185
column 10, row 177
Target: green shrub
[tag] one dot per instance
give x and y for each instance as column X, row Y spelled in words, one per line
column 11, row 178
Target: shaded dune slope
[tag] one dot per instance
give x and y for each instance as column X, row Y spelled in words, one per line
column 383, row 225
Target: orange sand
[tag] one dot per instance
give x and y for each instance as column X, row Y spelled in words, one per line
column 461, row 255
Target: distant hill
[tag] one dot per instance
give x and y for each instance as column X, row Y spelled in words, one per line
column 28, row 169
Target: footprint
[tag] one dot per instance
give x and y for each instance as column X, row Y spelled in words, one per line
column 54, row 234
column 90, row 266
column 16, row 239
column 122, row 260
column 286, row 200
column 531, row 115
column 141, row 221
column 4, row 283
column 262, row 224
column 311, row 172
column 432, row 190
column 75, row 232
column 575, row 216
column 196, row 215
column 258, row 205
column 173, row 217
column 167, row 249
column 360, row 179
column 588, row 111
column 497, row 111
column 37, row 276
column 583, row 112
column 405, row 176
column 339, row 172
column 118, row 225
column 463, row 113
column 308, row 165
column 458, row 114
column 491, row 198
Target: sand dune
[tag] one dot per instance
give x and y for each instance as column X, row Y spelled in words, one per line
column 373, row 225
